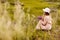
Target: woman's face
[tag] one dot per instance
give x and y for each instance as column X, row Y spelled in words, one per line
column 46, row 13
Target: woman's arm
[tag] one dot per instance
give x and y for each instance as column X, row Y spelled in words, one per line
column 44, row 21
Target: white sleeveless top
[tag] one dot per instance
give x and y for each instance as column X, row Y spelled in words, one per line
column 48, row 26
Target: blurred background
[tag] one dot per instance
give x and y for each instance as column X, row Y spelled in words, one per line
column 18, row 19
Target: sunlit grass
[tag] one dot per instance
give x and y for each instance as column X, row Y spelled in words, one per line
column 20, row 25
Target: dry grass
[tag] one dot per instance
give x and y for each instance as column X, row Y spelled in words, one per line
column 21, row 26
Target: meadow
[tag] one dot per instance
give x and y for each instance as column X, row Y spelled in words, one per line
column 18, row 22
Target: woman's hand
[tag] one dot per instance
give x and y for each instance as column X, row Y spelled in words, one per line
column 40, row 17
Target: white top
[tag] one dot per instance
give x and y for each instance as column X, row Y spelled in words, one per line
column 47, row 21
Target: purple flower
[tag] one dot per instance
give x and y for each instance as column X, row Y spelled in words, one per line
column 39, row 17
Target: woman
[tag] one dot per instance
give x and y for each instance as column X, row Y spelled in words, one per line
column 45, row 23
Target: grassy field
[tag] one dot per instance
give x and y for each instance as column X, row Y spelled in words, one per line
column 18, row 22
column 36, row 7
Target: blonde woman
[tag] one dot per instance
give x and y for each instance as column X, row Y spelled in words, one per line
column 45, row 22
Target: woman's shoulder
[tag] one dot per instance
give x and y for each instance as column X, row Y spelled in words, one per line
column 48, row 17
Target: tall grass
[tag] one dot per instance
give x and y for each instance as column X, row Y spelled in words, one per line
column 10, row 22
column 19, row 24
